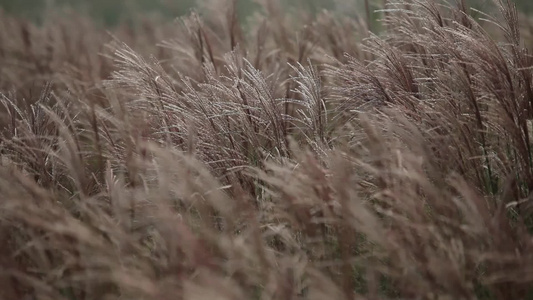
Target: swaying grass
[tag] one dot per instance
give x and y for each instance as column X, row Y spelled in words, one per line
column 303, row 157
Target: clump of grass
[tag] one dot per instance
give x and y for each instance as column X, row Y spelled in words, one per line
column 298, row 158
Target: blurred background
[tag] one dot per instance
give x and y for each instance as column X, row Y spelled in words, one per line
column 110, row 12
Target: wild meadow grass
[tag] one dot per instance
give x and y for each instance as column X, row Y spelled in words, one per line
column 300, row 157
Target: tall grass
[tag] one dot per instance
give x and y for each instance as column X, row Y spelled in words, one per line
column 304, row 157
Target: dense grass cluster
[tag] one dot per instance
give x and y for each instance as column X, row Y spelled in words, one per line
column 299, row 157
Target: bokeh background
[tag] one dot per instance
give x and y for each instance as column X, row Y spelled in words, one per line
column 110, row 12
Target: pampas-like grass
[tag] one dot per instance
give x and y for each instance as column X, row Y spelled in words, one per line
column 300, row 157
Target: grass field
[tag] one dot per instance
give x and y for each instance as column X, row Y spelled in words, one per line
column 289, row 154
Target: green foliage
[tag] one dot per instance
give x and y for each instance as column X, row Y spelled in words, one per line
column 111, row 12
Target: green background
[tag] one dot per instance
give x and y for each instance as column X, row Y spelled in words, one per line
column 111, row 11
